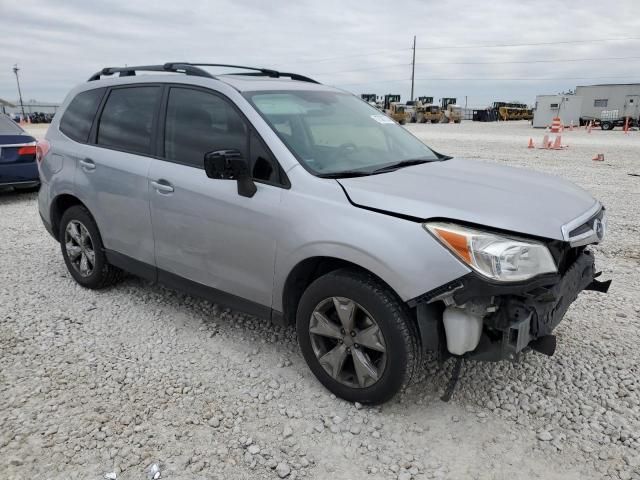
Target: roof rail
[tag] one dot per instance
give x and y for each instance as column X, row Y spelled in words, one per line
column 178, row 67
column 254, row 71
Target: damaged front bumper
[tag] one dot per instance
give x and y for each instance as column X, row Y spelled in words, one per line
column 514, row 316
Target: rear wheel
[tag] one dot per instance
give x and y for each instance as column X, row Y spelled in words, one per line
column 83, row 251
column 606, row 126
column 357, row 337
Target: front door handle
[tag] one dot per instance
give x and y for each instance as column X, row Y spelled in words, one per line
column 162, row 186
column 87, row 164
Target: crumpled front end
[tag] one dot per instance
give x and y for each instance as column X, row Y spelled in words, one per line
column 484, row 320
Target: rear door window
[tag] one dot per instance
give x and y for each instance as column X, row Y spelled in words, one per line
column 78, row 117
column 126, row 122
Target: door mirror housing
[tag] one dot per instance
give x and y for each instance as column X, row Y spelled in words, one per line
column 230, row 165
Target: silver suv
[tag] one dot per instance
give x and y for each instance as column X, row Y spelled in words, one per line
column 300, row 203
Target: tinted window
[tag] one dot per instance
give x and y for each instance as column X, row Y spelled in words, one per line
column 199, row 122
column 127, row 119
column 78, row 117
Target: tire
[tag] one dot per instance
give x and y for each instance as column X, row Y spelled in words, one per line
column 376, row 305
column 605, row 126
column 402, row 122
column 86, row 239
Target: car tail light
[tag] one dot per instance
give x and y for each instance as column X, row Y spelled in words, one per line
column 28, row 150
column 41, row 149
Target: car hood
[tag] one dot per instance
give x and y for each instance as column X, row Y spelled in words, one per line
column 473, row 191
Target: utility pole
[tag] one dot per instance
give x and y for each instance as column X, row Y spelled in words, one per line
column 16, row 70
column 413, row 66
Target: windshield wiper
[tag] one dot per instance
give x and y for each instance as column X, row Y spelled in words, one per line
column 345, row 174
column 401, row 164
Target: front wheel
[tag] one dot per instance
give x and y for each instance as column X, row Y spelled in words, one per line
column 357, row 337
column 605, row 126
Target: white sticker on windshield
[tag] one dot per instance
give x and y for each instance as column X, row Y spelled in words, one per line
column 382, row 119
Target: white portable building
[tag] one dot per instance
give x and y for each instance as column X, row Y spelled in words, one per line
column 567, row 107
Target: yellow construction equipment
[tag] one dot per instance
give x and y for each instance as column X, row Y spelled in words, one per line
column 393, row 108
column 450, row 111
column 426, row 111
column 513, row 111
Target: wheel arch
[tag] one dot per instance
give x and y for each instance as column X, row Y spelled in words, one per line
column 308, row 270
column 59, row 205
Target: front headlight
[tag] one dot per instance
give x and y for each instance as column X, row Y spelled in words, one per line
column 499, row 257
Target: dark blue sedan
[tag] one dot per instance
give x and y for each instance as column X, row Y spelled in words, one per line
column 18, row 166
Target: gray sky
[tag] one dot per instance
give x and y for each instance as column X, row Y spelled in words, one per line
column 360, row 46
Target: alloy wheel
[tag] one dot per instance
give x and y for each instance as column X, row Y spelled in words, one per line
column 348, row 342
column 79, row 247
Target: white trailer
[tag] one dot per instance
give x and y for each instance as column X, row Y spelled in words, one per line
column 598, row 98
column 567, row 107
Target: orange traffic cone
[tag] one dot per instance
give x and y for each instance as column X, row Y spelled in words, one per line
column 589, row 127
column 599, row 157
column 557, row 144
column 626, row 125
column 545, row 142
column 531, row 145
column 571, row 126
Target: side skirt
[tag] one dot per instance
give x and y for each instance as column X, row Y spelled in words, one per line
column 176, row 282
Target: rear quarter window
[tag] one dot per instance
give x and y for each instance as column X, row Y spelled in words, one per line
column 78, row 117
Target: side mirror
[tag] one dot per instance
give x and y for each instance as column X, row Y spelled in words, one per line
column 229, row 165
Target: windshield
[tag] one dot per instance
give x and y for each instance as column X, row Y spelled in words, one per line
column 333, row 132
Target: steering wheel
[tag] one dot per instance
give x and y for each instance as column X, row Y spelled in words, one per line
column 347, row 148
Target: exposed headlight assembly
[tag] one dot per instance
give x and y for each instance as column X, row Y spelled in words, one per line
column 498, row 257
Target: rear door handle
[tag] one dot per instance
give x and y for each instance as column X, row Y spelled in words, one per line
column 162, row 186
column 87, row 164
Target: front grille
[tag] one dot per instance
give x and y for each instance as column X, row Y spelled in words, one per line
column 586, row 229
column 586, row 226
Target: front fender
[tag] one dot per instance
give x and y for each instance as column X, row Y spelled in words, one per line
column 396, row 250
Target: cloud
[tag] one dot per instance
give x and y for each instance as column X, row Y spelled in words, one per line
column 360, row 46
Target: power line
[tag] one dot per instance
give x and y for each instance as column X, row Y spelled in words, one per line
column 560, row 60
column 365, row 54
column 392, row 80
column 378, row 67
column 508, row 45
column 563, row 60
column 495, row 45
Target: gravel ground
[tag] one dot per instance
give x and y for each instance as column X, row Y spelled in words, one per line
column 137, row 378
